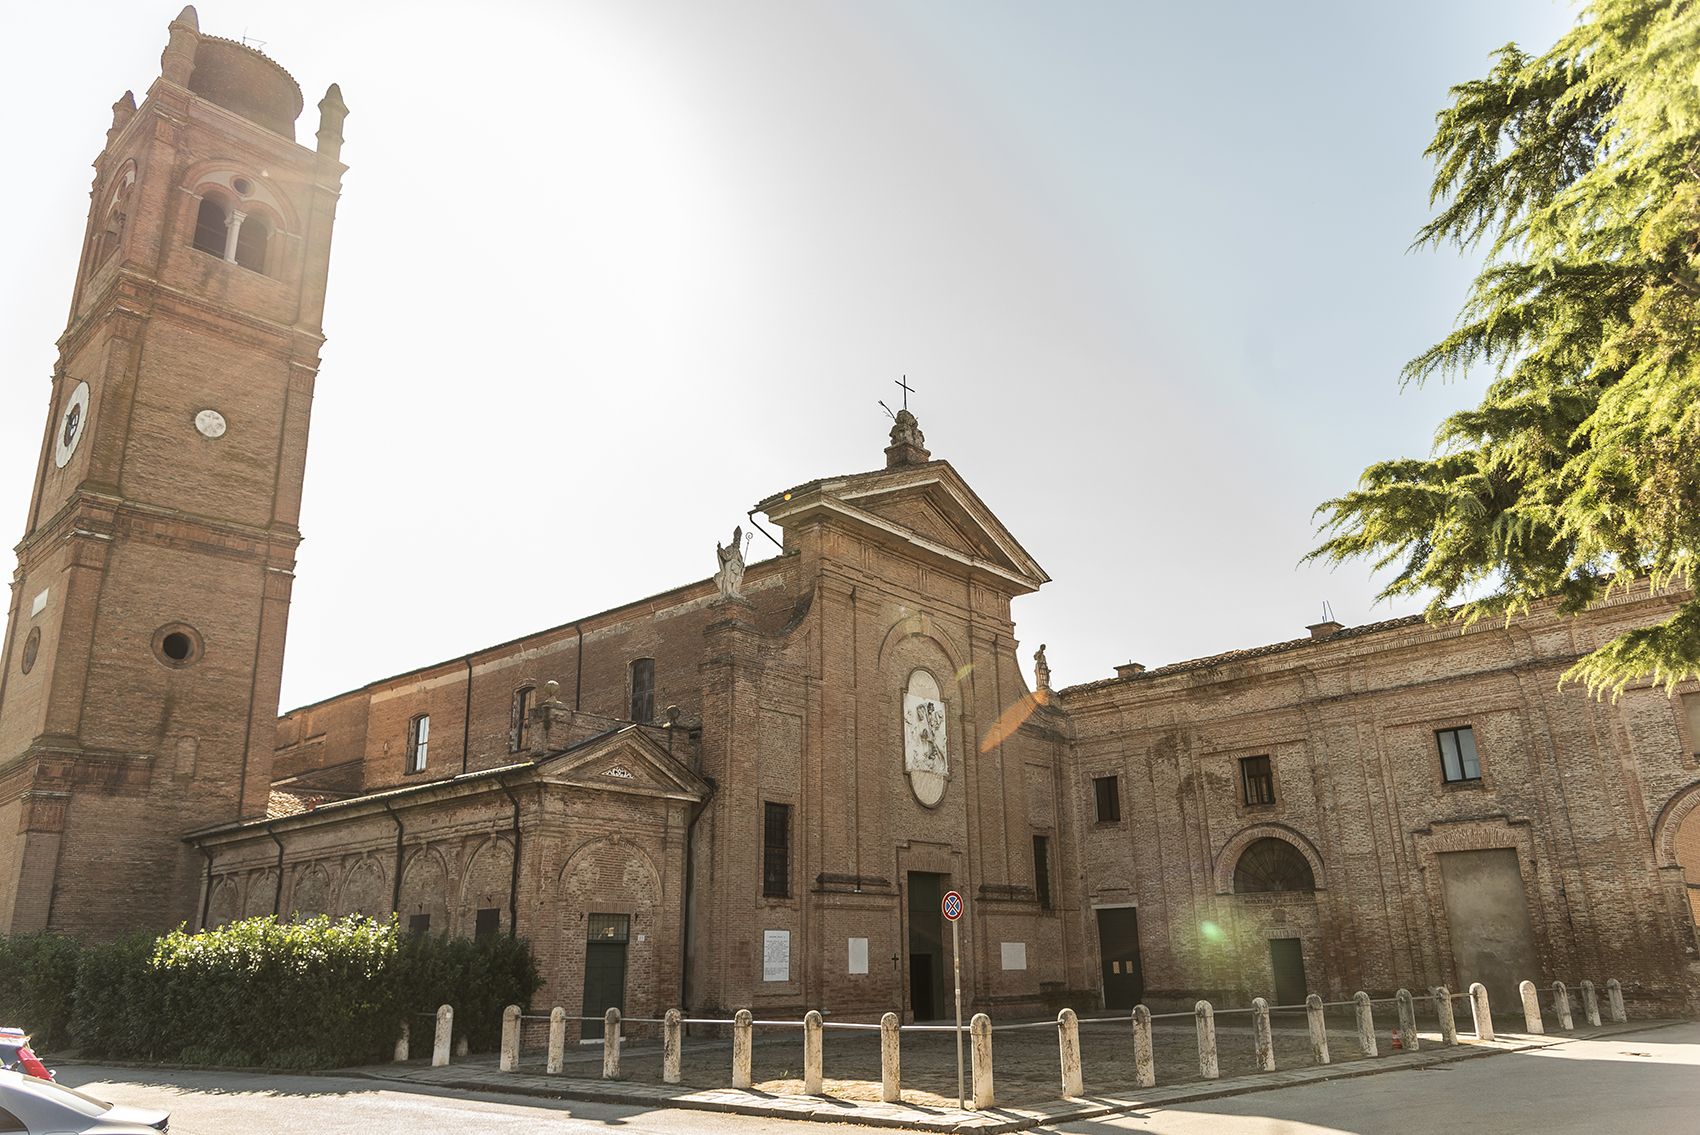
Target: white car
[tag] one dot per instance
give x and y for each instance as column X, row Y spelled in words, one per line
column 41, row 1107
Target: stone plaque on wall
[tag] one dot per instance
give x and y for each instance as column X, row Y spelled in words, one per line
column 776, row 955
column 858, row 955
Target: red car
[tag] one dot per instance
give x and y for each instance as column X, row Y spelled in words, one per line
column 15, row 1054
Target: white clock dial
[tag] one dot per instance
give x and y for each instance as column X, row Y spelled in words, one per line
column 211, row 423
column 73, row 423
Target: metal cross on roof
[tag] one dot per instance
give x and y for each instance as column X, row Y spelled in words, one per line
column 907, row 390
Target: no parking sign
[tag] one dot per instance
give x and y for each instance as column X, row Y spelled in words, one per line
column 952, row 905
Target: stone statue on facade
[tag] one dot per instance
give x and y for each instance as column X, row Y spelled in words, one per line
column 1041, row 671
column 730, row 577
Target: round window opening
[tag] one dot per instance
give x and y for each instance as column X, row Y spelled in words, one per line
column 32, row 647
column 177, row 645
column 242, row 185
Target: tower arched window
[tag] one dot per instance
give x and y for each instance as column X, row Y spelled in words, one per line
column 1272, row 864
column 212, row 226
column 251, row 244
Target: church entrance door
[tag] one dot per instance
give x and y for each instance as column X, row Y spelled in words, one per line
column 926, row 945
column 1118, row 946
column 604, row 969
column 1287, row 963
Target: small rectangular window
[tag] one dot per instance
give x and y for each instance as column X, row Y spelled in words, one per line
column 488, row 922
column 419, row 924
column 418, row 742
column 776, row 851
column 1042, row 871
column 1691, row 712
column 1257, row 780
column 1458, row 754
column 643, row 690
column 1107, row 790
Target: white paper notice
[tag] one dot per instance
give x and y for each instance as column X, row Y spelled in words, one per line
column 776, row 955
column 858, row 955
column 1015, row 955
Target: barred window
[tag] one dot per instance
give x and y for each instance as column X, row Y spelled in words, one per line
column 418, row 924
column 608, row 927
column 776, row 851
column 487, row 923
column 1257, row 780
column 1458, row 761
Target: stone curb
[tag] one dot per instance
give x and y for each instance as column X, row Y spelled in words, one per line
column 990, row 1122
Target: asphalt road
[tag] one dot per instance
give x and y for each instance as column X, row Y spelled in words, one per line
column 1630, row 1083
column 1635, row 1082
column 223, row 1103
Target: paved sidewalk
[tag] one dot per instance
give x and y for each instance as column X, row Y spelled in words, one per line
column 482, row 1076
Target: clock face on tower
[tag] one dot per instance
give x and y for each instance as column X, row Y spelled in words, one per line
column 72, row 425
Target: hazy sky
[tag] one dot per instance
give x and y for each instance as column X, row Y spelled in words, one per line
column 605, row 274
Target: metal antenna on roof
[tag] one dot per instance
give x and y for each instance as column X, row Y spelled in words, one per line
column 247, row 42
column 1327, row 612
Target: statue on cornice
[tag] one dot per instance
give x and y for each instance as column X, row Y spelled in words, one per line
column 730, row 577
column 1041, row 671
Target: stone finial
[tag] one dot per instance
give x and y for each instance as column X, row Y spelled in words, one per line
column 551, row 692
column 122, row 111
column 908, row 444
column 332, row 113
column 1041, row 671
column 177, row 61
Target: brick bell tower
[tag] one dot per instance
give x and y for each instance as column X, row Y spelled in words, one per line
column 144, row 642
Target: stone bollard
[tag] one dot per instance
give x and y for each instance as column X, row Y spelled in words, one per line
column 1068, row 1051
column 1263, row 1041
column 1144, row 1060
column 462, row 1046
column 672, row 1047
column 1366, row 1023
column 1561, row 1006
column 1531, row 1008
column 980, row 1031
column 401, row 1043
column 1614, row 1001
column 1590, row 1004
column 812, row 1034
column 1318, row 1029
column 891, row 1059
column 741, row 1045
column 1443, row 1009
column 510, row 1039
column 611, row 1045
column 1407, row 1020
column 441, row 1042
column 1207, row 1066
column 1480, row 1011
column 557, row 1041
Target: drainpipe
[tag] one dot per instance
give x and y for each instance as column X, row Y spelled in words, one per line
column 466, row 720
column 578, row 668
column 513, row 884
column 395, row 892
column 277, row 895
column 685, row 919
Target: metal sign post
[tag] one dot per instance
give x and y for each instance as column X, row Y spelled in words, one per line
column 953, row 913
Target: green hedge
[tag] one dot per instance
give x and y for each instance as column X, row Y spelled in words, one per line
column 309, row 994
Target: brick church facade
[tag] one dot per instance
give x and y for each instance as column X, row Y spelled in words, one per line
column 750, row 791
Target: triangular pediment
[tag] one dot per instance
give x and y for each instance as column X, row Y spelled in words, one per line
column 628, row 760
column 929, row 507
